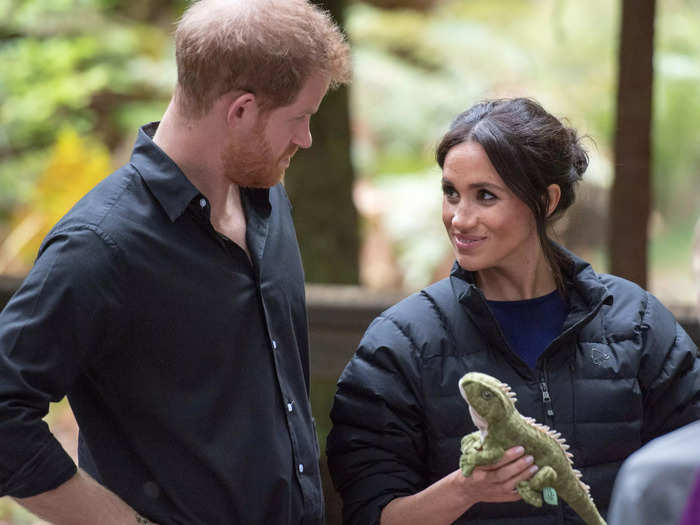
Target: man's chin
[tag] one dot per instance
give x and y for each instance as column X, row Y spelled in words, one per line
column 264, row 183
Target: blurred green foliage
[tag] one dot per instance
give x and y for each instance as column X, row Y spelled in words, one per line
column 96, row 66
column 82, row 162
column 103, row 67
column 415, row 72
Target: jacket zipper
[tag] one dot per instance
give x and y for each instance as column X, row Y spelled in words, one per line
column 549, row 421
column 547, row 401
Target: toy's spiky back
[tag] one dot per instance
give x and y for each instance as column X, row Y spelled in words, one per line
column 509, row 392
column 559, row 440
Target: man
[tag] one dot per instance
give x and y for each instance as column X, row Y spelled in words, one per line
column 168, row 304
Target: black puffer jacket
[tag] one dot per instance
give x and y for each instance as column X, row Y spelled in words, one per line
column 622, row 372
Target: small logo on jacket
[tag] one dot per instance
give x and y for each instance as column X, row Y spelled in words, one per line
column 599, row 357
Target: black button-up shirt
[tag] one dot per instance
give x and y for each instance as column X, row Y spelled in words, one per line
column 185, row 364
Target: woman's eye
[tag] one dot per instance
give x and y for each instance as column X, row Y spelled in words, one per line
column 449, row 191
column 485, row 195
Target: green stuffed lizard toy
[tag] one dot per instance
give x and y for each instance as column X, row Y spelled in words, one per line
column 501, row 426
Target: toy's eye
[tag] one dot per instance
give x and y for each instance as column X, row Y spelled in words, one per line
column 485, row 394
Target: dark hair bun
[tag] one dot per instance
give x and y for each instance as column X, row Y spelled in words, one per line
column 579, row 156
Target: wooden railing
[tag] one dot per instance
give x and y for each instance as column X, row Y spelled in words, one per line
column 339, row 315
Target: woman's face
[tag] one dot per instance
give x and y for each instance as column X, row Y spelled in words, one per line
column 489, row 227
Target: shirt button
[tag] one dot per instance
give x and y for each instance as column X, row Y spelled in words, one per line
column 290, row 406
column 274, row 344
column 301, row 468
column 203, row 202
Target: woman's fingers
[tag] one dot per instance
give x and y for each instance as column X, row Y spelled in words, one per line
column 509, row 456
column 499, row 481
column 511, row 469
column 521, row 469
column 513, row 464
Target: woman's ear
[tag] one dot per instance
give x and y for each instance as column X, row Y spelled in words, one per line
column 554, row 194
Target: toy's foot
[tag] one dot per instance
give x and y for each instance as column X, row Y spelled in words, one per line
column 470, row 442
column 466, row 466
column 529, row 495
column 545, row 477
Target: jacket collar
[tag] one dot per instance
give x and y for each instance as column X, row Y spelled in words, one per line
column 586, row 292
column 586, row 296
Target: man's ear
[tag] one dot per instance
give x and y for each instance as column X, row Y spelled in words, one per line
column 554, row 193
column 242, row 108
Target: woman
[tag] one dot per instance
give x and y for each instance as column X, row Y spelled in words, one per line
column 593, row 356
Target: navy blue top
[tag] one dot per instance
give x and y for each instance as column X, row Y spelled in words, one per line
column 185, row 363
column 530, row 325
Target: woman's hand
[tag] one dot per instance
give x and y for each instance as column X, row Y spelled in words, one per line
column 447, row 499
column 497, row 482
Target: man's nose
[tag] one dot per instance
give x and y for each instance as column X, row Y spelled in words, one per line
column 303, row 137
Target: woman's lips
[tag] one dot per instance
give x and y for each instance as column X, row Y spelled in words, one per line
column 468, row 242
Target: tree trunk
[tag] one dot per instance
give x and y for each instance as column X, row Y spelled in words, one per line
column 630, row 199
column 319, row 182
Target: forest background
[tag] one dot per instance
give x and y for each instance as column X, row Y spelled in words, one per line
column 77, row 78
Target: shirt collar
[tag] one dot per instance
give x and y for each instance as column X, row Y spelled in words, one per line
column 163, row 177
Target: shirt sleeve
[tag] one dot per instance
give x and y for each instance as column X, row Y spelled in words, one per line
column 50, row 332
column 377, row 444
column 669, row 372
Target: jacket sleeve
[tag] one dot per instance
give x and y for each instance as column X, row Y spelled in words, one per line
column 376, row 448
column 669, row 372
column 48, row 330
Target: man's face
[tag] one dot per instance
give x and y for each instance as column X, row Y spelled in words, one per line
column 261, row 159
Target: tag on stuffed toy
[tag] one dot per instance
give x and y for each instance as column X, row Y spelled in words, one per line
column 549, row 495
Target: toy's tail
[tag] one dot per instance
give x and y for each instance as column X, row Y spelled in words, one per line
column 583, row 505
